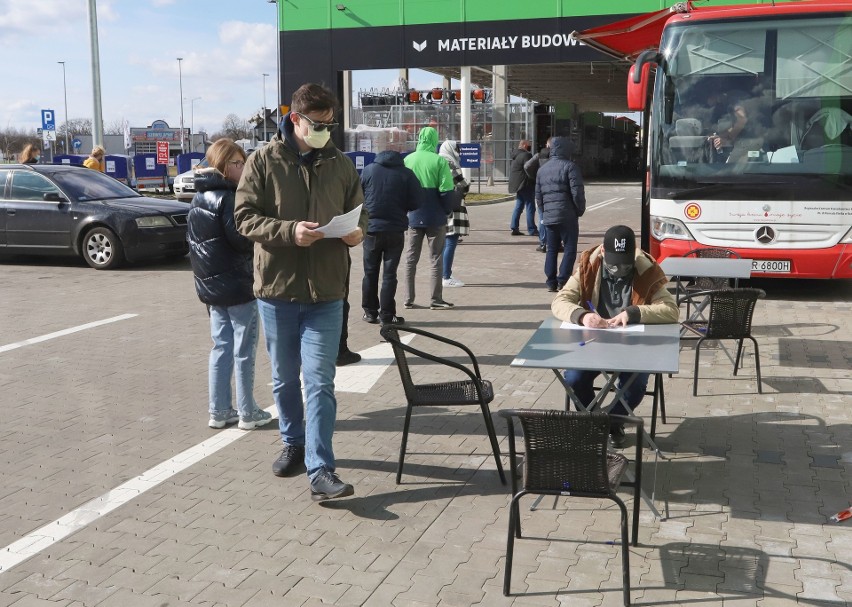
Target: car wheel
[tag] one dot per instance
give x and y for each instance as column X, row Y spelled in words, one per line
column 102, row 249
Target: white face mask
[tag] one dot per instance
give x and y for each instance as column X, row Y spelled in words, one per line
column 316, row 139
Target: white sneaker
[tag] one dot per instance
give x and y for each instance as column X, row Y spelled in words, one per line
column 452, row 282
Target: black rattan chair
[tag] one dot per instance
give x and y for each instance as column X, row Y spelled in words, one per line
column 706, row 283
column 729, row 317
column 473, row 391
column 566, row 453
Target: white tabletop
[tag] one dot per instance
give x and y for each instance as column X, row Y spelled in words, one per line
column 709, row 267
column 654, row 350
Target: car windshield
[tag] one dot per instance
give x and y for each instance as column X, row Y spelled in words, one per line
column 86, row 184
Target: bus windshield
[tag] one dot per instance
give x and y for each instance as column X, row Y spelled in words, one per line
column 754, row 109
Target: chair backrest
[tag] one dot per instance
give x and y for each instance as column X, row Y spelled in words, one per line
column 565, row 451
column 706, row 283
column 731, row 312
column 391, row 334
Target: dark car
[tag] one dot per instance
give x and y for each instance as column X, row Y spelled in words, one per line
column 51, row 209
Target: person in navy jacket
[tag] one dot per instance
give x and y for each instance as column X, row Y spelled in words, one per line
column 391, row 190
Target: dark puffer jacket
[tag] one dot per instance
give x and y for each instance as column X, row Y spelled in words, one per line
column 220, row 256
column 391, row 190
column 559, row 192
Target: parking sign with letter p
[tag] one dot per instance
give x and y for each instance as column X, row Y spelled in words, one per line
column 48, row 122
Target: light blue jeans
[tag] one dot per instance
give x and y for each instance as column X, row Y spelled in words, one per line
column 234, row 333
column 304, row 337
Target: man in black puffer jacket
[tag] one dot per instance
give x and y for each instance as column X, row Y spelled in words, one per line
column 561, row 200
column 391, row 190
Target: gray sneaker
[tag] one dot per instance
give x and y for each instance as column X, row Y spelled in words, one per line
column 327, row 485
column 441, row 305
column 220, row 419
column 257, row 418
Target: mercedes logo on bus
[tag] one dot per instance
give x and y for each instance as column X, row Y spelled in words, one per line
column 764, row 235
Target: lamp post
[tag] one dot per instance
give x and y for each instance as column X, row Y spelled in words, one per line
column 277, row 63
column 192, row 119
column 264, row 108
column 180, row 81
column 97, row 115
column 65, row 94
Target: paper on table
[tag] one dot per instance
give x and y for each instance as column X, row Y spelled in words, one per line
column 627, row 329
column 341, row 225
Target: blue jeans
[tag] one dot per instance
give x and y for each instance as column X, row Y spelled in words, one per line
column 524, row 200
column 234, row 333
column 582, row 381
column 566, row 235
column 382, row 251
column 450, row 245
column 542, row 232
column 304, row 337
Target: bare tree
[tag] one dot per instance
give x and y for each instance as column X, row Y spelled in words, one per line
column 75, row 126
column 12, row 141
column 233, row 127
column 116, row 127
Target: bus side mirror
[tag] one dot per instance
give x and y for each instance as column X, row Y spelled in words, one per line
column 639, row 78
column 637, row 88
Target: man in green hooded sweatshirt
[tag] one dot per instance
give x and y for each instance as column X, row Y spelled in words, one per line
column 430, row 220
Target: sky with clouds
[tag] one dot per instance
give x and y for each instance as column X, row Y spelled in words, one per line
column 225, row 46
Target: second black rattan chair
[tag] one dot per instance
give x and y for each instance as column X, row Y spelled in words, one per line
column 706, row 283
column 472, row 391
column 729, row 317
column 566, row 453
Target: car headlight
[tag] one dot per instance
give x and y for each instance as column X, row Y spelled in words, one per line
column 156, row 221
column 666, row 227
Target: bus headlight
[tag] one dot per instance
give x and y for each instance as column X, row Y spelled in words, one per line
column 666, row 227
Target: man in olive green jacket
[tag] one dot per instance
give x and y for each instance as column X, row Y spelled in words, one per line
column 290, row 187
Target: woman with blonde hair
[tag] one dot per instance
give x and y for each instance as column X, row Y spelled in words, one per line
column 31, row 154
column 222, row 264
column 96, row 159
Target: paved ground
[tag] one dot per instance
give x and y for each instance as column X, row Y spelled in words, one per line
column 113, row 418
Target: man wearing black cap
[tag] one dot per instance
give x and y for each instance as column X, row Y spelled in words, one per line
column 615, row 285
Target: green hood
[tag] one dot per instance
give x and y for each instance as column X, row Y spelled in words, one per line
column 427, row 141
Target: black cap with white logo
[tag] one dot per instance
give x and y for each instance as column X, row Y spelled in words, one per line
column 619, row 245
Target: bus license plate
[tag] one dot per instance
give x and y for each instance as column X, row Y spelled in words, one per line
column 770, row 266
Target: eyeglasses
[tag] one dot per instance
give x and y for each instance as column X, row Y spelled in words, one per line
column 237, row 163
column 319, row 126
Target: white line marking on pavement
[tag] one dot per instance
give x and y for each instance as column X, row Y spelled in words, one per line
column 600, row 205
column 40, row 539
column 363, row 375
column 41, row 338
column 354, row 378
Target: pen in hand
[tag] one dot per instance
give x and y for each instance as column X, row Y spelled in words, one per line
column 588, row 341
column 591, row 307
